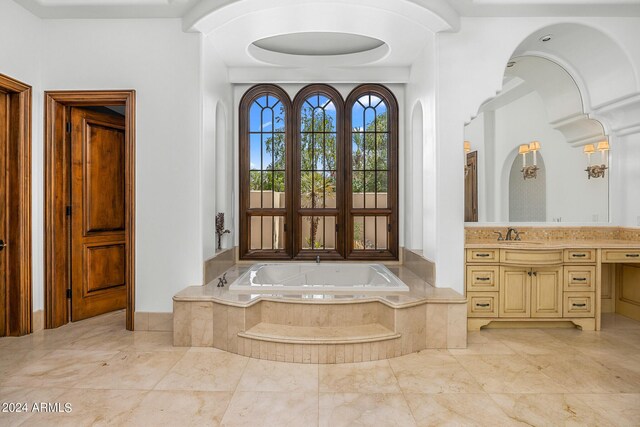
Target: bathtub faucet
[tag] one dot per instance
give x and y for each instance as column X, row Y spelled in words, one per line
column 317, row 259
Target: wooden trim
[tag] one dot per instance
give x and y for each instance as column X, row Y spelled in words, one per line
column 298, row 210
column 19, row 286
column 245, row 251
column 392, row 212
column 56, row 179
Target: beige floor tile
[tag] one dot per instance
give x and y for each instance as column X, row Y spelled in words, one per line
column 530, row 341
column 28, row 396
column 490, row 347
column 549, row 409
column 616, row 321
column 618, row 409
column 459, row 409
column 272, row 409
column 155, row 341
column 265, row 375
column 131, row 370
column 364, row 377
column 59, row 368
column 509, row 374
column 205, row 369
column 12, row 361
column 428, row 372
column 91, row 408
column 581, row 374
column 178, row 408
column 354, row 409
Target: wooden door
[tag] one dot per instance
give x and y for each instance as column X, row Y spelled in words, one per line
column 471, row 188
column 546, row 292
column 515, row 292
column 98, row 226
column 4, row 133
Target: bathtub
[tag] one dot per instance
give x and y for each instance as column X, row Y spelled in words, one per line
column 322, row 278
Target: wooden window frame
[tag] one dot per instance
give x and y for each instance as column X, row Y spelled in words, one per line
column 343, row 212
column 392, row 185
column 298, row 211
column 245, row 211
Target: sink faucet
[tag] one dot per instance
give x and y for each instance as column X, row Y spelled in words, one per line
column 317, row 259
column 512, row 230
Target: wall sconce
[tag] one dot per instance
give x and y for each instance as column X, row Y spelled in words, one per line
column 467, row 148
column 596, row 171
column 530, row 171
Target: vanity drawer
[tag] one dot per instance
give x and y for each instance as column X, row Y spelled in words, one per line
column 579, row 304
column 530, row 257
column 579, row 255
column 579, row 278
column 483, row 255
column 621, row 255
column 482, row 278
column 482, row 304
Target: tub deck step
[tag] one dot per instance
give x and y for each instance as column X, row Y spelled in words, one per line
column 273, row 332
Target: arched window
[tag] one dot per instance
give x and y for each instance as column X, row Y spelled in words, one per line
column 372, row 190
column 318, row 172
column 304, row 192
column 264, row 181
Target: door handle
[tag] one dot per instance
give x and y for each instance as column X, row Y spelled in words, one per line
column 2, row 244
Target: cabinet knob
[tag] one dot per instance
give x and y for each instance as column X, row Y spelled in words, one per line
column 580, row 279
column 579, row 255
column 483, row 305
column 579, row 305
column 484, row 279
column 632, row 255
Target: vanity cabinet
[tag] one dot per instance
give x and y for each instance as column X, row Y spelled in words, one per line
column 516, row 285
column 530, row 292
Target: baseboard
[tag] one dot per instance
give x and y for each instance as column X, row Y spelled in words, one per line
column 154, row 322
column 37, row 321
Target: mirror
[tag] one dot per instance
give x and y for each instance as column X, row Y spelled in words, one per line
column 528, row 149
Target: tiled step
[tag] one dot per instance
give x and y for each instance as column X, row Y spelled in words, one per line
column 277, row 333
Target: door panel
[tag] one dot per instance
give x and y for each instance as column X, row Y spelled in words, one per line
column 104, row 183
column 546, row 292
column 515, row 288
column 4, row 133
column 471, row 188
column 98, row 247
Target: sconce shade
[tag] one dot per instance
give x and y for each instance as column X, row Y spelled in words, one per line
column 467, row 146
column 534, row 146
column 524, row 149
column 603, row 146
column 589, row 148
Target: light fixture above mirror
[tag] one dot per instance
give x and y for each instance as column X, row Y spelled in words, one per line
column 597, row 170
column 529, row 171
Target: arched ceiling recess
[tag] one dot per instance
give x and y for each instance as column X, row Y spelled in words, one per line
column 234, row 26
column 559, row 93
column 607, row 78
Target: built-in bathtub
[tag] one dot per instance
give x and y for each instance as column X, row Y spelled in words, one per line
column 319, row 278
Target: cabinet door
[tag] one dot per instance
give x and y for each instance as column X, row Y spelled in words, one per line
column 546, row 292
column 515, row 289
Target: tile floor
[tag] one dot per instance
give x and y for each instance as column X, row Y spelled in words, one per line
column 505, row 377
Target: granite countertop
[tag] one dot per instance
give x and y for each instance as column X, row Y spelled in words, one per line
column 554, row 244
column 419, row 293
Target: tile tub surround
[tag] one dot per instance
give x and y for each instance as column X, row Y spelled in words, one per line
column 334, row 329
column 503, row 378
column 416, row 262
column 215, row 266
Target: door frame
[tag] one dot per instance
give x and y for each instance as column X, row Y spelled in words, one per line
column 56, row 185
column 19, row 287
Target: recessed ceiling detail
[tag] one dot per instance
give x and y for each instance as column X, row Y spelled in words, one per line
column 318, row 43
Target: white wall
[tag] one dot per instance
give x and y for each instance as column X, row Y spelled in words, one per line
column 21, row 59
column 421, row 88
column 217, row 149
column 161, row 63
